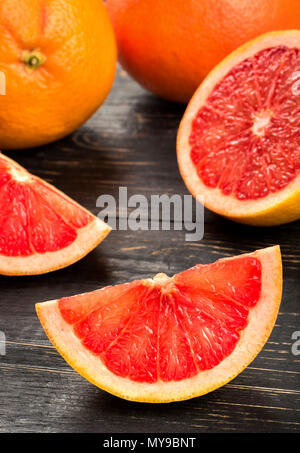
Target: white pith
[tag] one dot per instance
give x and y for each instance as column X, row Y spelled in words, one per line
column 19, row 174
column 260, row 122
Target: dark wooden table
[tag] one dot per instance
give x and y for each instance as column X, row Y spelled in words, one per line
column 131, row 142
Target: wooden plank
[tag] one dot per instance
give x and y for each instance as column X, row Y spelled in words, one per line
column 131, row 142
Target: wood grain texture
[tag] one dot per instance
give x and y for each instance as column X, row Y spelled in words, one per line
column 131, row 142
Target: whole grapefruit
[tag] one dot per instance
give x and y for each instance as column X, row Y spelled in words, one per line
column 169, row 46
column 58, row 58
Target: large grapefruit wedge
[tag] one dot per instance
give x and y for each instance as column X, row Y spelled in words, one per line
column 239, row 142
column 41, row 229
column 169, row 339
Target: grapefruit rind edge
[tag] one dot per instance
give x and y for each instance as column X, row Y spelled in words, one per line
column 261, row 321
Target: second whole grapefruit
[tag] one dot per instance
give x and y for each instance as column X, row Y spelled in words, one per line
column 170, row 46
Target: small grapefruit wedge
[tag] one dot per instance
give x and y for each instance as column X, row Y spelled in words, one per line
column 238, row 143
column 41, row 229
column 170, row 339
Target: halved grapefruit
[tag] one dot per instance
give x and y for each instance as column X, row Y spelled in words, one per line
column 41, row 229
column 169, row 339
column 238, row 143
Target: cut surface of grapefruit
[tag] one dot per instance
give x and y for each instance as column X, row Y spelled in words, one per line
column 170, row 338
column 41, row 229
column 238, row 143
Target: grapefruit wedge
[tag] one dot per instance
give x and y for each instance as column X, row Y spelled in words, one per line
column 169, row 339
column 41, row 229
column 238, row 143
